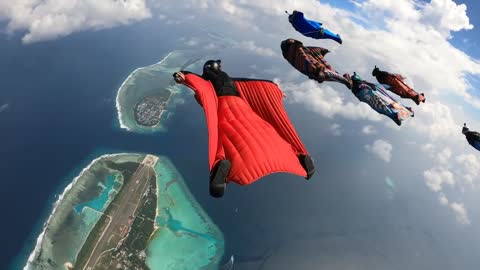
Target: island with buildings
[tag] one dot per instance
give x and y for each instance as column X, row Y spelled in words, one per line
column 128, row 211
column 148, row 96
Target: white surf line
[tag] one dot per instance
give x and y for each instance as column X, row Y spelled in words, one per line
column 40, row 237
column 117, row 99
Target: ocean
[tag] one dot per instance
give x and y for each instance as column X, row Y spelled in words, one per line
column 61, row 115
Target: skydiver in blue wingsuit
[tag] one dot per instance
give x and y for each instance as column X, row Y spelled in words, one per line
column 310, row 28
column 473, row 137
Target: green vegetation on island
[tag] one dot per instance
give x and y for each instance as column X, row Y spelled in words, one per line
column 128, row 211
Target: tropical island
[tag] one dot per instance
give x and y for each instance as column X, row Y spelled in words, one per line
column 148, row 96
column 128, row 211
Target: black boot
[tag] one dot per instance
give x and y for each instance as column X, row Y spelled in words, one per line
column 218, row 178
column 307, row 164
column 417, row 99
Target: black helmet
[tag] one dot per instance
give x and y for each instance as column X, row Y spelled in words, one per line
column 291, row 17
column 356, row 78
column 465, row 128
column 375, row 71
column 212, row 65
column 286, row 44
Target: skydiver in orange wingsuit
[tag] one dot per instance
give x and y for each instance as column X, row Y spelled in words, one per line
column 397, row 85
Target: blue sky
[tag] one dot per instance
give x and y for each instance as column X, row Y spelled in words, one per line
column 469, row 41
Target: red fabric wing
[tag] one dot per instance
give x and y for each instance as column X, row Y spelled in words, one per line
column 265, row 98
column 252, row 131
column 205, row 95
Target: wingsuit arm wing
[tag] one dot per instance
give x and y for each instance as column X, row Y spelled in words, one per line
column 206, row 97
column 265, row 98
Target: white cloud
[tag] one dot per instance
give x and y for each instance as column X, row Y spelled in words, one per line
column 458, row 209
column 191, row 42
column 253, row 47
column 381, row 149
column 210, row 46
column 428, row 149
column 404, row 10
column 327, row 101
column 442, row 199
column 369, row 130
column 50, row 19
column 471, row 167
column 460, row 213
column 335, row 129
column 467, row 167
column 443, row 16
column 436, row 120
column 444, row 156
column 446, row 16
column 436, row 177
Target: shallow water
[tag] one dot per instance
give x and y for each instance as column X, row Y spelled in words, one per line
column 67, row 229
column 100, row 203
column 186, row 237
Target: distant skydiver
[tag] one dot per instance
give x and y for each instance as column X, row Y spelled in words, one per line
column 311, row 62
column 310, row 28
column 473, row 137
column 249, row 132
column 397, row 85
column 375, row 96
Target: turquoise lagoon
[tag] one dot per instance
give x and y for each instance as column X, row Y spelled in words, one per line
column 184, row 238
column 66, row 228
column 109, row 188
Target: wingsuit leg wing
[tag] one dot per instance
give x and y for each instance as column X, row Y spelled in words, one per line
column 266, row 99
column 330, row 35
column 205, row 96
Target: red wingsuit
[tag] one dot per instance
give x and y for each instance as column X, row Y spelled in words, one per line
column 252, row 130
column 397, row 85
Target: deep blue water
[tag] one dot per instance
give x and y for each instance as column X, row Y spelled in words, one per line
column 62, row 115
